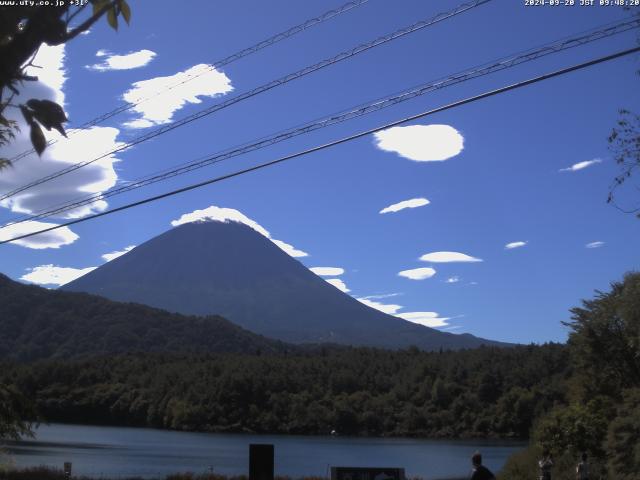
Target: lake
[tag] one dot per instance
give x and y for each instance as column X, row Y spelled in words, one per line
column 144, row 452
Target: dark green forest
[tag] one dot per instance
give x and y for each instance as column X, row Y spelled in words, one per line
column 37, row 323
column 482, row 392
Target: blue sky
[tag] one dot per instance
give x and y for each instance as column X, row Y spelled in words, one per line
column 505, row 186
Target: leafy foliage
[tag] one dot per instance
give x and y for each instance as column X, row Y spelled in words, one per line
column 352, row 390
column 623, row 438
column 23, row 29
column 603, row 415
column 16, row 412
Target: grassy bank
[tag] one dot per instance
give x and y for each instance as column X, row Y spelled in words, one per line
column 46, row 473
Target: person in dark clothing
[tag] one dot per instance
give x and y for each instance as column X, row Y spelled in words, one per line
column 479, row 471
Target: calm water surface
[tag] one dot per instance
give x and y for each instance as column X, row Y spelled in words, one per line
column 117, row 452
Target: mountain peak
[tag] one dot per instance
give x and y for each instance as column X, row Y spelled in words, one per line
column 230, row 269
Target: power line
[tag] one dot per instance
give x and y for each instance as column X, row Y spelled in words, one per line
column 485, row 69
column 214, row 66
column 263, row 88
column 261, row 166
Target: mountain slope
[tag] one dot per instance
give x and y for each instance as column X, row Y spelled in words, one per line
column 229, row 269
column 37, row 323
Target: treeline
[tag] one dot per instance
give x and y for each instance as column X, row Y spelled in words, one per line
column 36, row 323
column 486, row 392
column 602, row 413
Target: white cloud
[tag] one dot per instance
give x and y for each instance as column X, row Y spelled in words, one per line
column 428, row 319
column 594, row 244
column 512, row 245
column 422, row 143
column 453, row 279
column 413, row 203
column 53, row 239
column 339, row 284
column 177, row 90
column 391, row 309
column 290, row 249
column 378, row 297
column 418, row 273
column 327, row 271
column 53, row 275
column 81, row 146
column 221, row 214
column 122, row 62
column 446, row 257
column 107, row 257
column 580, row 165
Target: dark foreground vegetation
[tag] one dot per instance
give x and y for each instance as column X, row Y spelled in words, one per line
column 483, row 392
column 602, row 412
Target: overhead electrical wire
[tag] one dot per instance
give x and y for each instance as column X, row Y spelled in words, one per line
column 214, row 66
column 263, row 88
column 334, row 143
column 583, row 38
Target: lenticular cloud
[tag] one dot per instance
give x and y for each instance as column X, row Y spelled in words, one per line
column 421, row 143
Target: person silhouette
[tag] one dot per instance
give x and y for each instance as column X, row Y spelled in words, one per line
column 545, row 464
column 582, row 470
column 479, row 471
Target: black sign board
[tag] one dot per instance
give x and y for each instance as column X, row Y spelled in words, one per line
column 363, row 473
column 260, row 461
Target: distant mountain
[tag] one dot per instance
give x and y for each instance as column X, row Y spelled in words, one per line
column 36, row 323
column 229, row 269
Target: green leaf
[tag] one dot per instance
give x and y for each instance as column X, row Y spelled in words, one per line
column 37, row 138
column 4, row 121
column 49, row 114
column 112, row 18
column 126, row 11
column 98, row 4
column 4, row 163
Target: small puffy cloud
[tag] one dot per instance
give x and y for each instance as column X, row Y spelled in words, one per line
column 447, row 257
column 339, row 284
column 221, row 214
column 177, row 91
column 389, row 308
column 512, row 245
column 107, row 257
column 453, row 279
column 412, row 203
column 122, row 62
column 53, row 239
column 428, row 319
column 422, row 143
column 327, row 271
column 53, row 275
column 597, row 244
column 581, row 165
column 418, row 273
